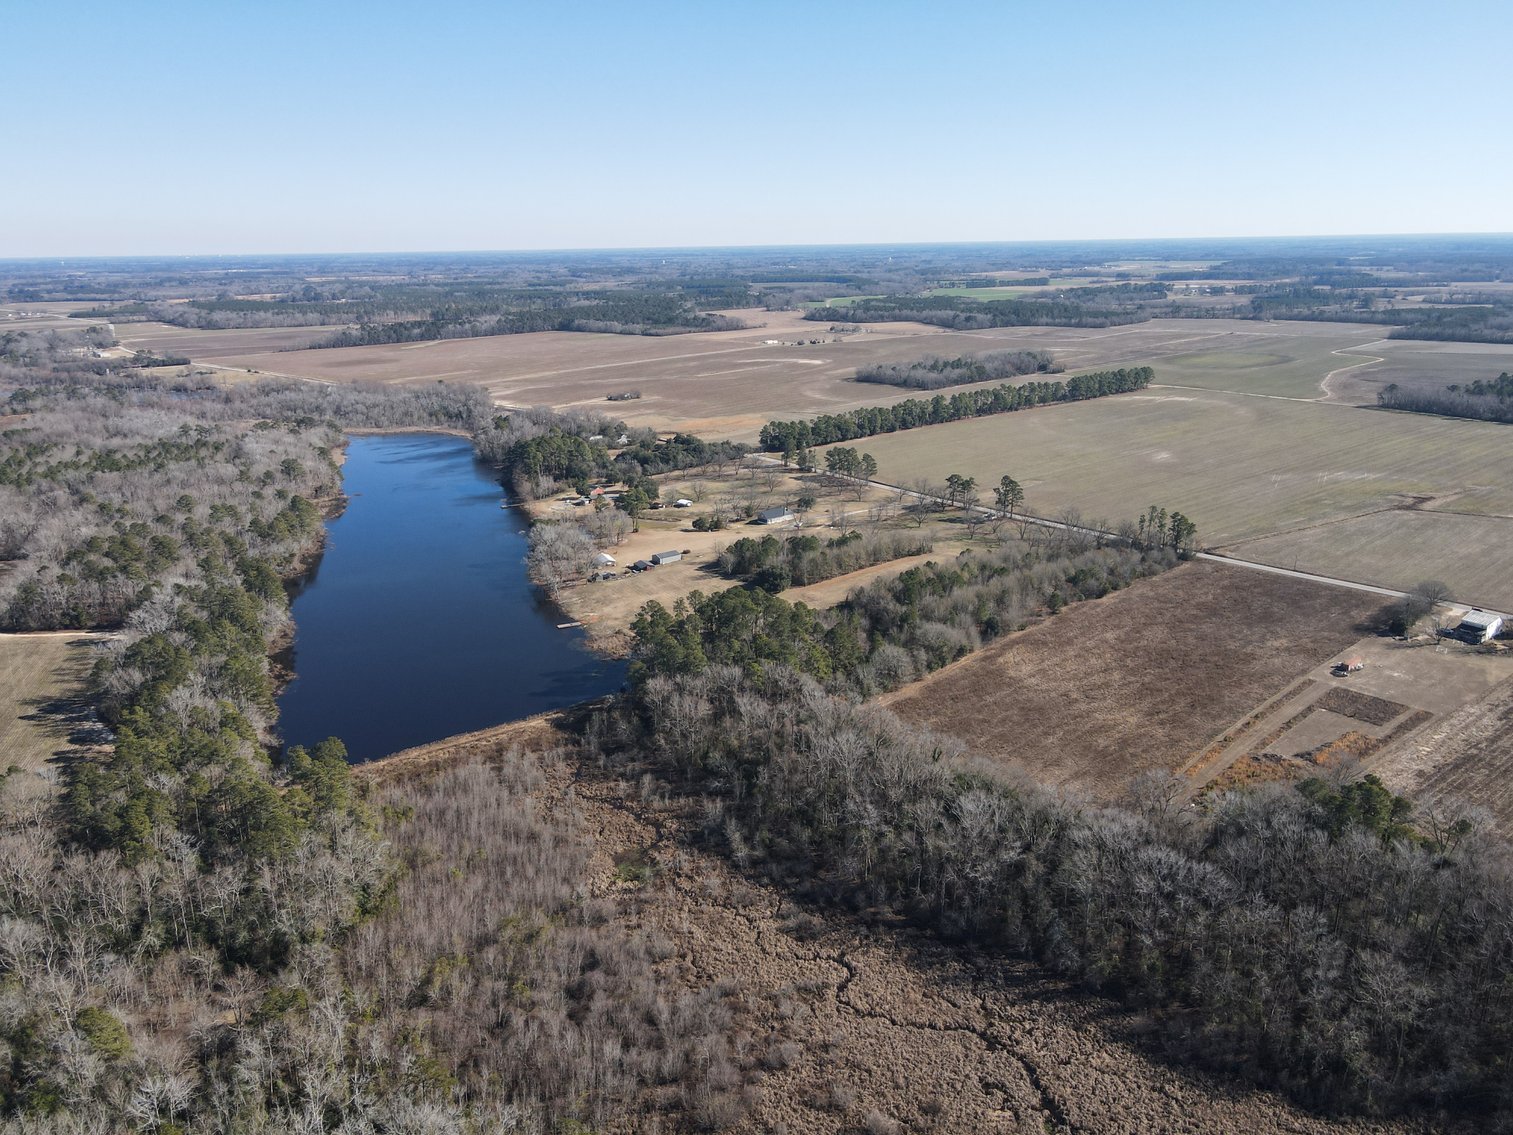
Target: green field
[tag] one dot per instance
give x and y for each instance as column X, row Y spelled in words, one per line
column 1241, row 467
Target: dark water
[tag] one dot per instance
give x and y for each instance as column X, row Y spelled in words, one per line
column 419, row 621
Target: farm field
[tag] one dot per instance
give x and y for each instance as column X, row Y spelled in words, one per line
column 41, row 679
column 215, row 346
column 1371, row 718
column 1398, row 547
column 728, row 383
column 1422, row 365
column 1240, row 467
column 1285, row 359
column 1468, row 757
column 1140, row 680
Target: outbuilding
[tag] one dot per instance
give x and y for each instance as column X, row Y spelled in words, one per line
column 641, row 565
column 774, row 516
column 682, row 502
column 604, row 559
column 1478, row 626
column 666, row 558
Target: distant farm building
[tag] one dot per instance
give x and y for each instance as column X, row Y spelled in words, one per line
column 604, row 559
column 666, row 558
column 1478, row 627
column 774, row 516
column 682, row 502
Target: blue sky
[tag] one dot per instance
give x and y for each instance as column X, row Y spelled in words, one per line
column 171, row 128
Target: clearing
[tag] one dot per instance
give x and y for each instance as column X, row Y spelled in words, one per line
column 43, row 712
column 1138, row 680
column 607, row 607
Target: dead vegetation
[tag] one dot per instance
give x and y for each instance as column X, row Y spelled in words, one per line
column 733, row 1005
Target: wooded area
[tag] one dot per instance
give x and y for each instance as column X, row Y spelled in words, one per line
column 791, row 437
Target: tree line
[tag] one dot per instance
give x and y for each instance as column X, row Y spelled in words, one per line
column 1485, row 400
column 891, row 631
column 1074, row 307
column 538, row 464
column 933, row 372
column 774, row 565
column 789, row 437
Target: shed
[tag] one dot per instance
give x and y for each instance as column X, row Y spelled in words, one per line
column 774, row 516
column 682, row 502
column 1478, row 626
column 604, row 559
column 641, row 565
column 666, row 557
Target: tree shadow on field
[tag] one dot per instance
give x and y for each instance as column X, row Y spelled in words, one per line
column 68, row 719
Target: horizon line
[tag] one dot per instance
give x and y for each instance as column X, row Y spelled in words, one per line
column 685, row 248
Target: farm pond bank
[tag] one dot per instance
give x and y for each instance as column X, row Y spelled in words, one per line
column 419, row 622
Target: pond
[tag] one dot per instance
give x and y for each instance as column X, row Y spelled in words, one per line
column 419, row 622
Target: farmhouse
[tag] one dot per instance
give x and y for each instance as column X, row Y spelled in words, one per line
column 1478, row 626
column 774, row 516
column 666, row 558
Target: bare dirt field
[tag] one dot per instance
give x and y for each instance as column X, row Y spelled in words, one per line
column 42, row 712
column 1141, row 679
column 1375, row 719
column 1242, row 468
column 848, row 1026
column 1466, row 756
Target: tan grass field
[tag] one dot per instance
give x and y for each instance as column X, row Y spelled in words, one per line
column 216, row 346
column 1398, row 548
column 41, row 681
column 1421, row 365
column 1139, row 680
column 1240, row 467
column 727, row 384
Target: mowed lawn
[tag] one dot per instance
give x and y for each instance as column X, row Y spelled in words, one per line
column 1240, row 467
